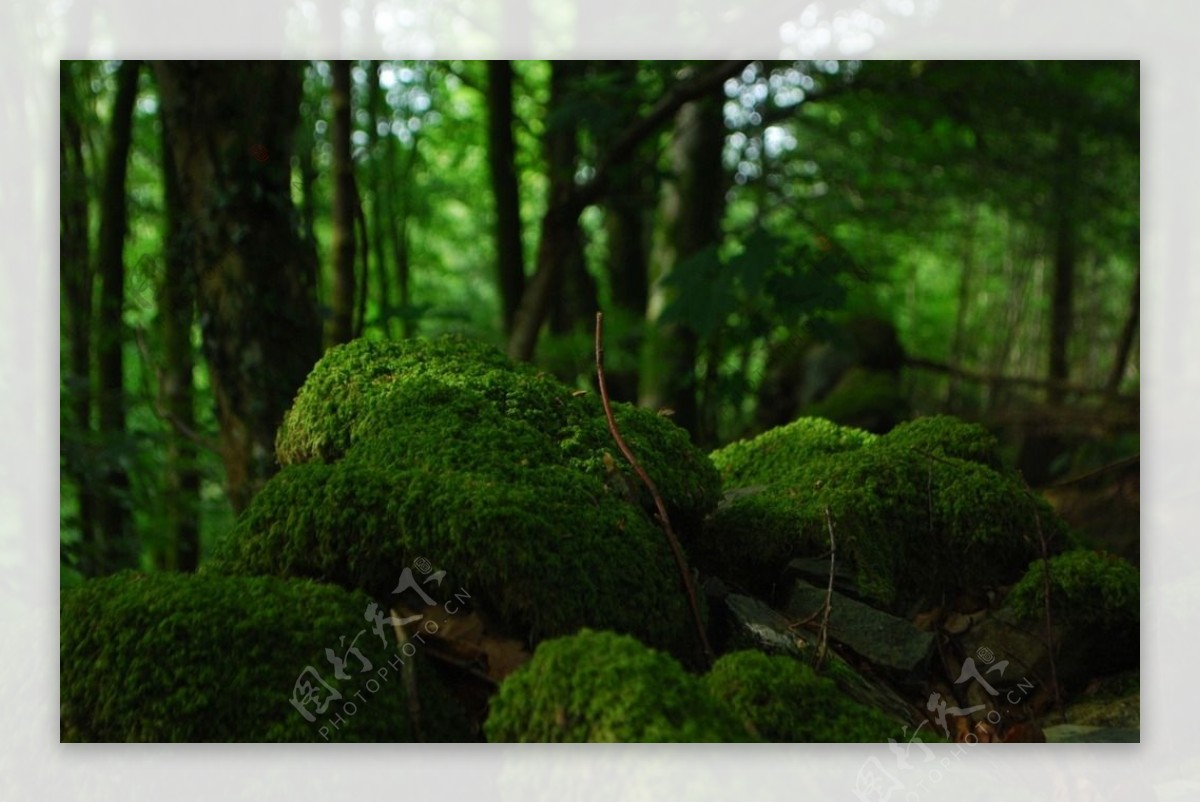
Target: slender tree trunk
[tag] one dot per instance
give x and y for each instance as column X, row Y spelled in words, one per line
column 693, row 207
column 342, row 296
column 1066, row 187
column 378, row 201
column 959, row 341
column 255, row 279
column 1125, row 341
column 79, row 290
column 575, row 299
column 562, row 213
column 399, row 203
column 632, row 192
column 118, row 548
column 175, row 304
column 502, row 154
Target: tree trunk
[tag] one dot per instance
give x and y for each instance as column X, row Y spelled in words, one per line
column 502, row 152
column 177, row 392
column 562, row 213
column 632, row 190
column 575, row 300
column 378, row 201
column 117, row 547
column 342, row 239
column 1125, row 341
column 693, row 206
column 231, row 126
column 78, row 282
column 1066, row 187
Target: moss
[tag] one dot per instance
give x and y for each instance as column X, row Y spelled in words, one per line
column 1092, row 590
column 605, row 687
column 171, row 657
column 784, row 700
column 363, row 385
column 447, row 451
column 947, row 436
column 915, row 523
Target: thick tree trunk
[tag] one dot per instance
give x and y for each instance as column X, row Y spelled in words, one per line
column 693, row 206
column 341, row 327
column 118, row 548
column 502, row 153
column 231, row 126
column 78, row 282
column 177, row 392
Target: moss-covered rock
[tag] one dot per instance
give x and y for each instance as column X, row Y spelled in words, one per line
column 185, row 658
column 605, row 687
column 919, row 512
column 494, row 472
column 783, row 700
column 1089, row 590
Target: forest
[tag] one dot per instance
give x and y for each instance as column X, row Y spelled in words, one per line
column 600, row 401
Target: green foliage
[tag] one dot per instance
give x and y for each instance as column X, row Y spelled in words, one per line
column 913, row 523
column 605, row 687
column 491, row 470
column 1087, row 588
column 783, row 700
column 185, row 658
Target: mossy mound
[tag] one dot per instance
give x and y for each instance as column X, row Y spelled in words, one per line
column 202, row 658
column 1089, row 590
column 345, row 400
column 605, row 687
column 919, row 512
column 783, row 700
column 497, row 474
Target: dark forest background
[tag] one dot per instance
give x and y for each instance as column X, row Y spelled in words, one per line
column 922, row 237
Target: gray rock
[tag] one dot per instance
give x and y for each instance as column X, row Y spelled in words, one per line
column 892, row 644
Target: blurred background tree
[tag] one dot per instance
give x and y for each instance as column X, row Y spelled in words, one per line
column 867, row 241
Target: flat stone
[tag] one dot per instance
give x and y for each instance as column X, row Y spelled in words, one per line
column 892, row 644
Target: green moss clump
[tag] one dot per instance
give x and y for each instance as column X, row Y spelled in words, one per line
column 497, row 474
column 913, row 516
column 604, row 687
column 1091, row 590
column 947, row 436
column 784, row 700
column 201, row 658
column 780, row 453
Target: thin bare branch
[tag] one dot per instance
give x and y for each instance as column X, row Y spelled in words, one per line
column 665, row 520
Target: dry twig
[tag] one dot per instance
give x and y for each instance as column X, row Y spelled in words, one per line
column 409, row 671
column 664, row 519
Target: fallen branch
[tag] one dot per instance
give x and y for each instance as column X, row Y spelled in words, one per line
column 1050, row 646
column 664, row 519
column 409, row 671
column 823, row 638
